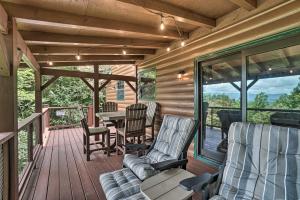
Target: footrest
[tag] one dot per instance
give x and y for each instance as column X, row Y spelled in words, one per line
column 121, row 184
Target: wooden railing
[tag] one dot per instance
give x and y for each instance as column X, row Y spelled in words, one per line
column 30, row 140
column 65, row 117
column 214, row 121
column 5, row 139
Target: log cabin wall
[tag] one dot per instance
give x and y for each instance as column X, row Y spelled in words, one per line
column 129, row 95
column 177, row 96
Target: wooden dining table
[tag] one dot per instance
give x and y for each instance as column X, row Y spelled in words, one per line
column 111, row 116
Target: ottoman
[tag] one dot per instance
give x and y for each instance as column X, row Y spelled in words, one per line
column 121, row 185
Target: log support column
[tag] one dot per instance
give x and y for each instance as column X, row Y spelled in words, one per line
column 96, row 97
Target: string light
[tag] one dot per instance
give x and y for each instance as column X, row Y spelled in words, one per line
column 50, row 63
column 291, row 71
column 270, row 69
column 168, row 49
column 162, row 25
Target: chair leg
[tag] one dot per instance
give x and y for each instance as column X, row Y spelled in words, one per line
column 84, row 144
column 108, row 143
column 87, row 148
column 117, row 143
column 124, row 149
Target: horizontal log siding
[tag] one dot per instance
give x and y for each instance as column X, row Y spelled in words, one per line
column 129, row 95
column 173, row 95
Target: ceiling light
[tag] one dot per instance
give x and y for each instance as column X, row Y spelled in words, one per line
column 270, row 69
column 168, row 49
column 78, row 57
column 182, row 43
column 291, row 71
column 162, row 25
column 124, row 52
column 50, row 63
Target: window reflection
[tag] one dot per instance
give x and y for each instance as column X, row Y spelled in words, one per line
column 273, row 92
column 221, row 94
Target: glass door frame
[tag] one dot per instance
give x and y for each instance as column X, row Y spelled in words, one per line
column 269, row 43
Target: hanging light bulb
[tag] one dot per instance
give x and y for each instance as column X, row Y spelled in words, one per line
column 182, row 43
column 162, row 25
column 168, row 49
column 124, row 52
column 291, row 71
column 50, row 63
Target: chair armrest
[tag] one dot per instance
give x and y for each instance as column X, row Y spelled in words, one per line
column 189, row 183
column 136, row 147
column 168, row 164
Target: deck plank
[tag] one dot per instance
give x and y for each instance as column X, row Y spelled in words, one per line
column 63, row 163
column 42, row 183
column 54, row 180
column 76, row 185
column 64, row 179
column 88, row 187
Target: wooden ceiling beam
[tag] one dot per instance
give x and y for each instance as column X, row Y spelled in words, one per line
column 79, row 74
column 3, row 20
column 180, row 14
column 79, row 64
column 71, row 58
column 61, row 50
column 26, row 53
column 34, row 37
column 30, row 14
column 246, row 4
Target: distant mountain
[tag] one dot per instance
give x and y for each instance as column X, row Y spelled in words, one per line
column 271, row 97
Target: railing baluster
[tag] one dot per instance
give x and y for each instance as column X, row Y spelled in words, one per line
column 30, row 142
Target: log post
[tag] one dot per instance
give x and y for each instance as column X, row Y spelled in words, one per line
column 38, row 106
column 96, row 97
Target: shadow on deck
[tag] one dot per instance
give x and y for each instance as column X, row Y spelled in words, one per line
column 62, row 171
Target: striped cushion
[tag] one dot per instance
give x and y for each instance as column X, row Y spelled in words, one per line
column 263, row 163
column 171, row 140
column 173, row 135
column 120, row 184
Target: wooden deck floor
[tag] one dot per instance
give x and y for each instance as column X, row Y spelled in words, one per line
column 62, row 171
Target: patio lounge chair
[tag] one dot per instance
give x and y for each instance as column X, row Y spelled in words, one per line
column 262, row 163
column 169, row 150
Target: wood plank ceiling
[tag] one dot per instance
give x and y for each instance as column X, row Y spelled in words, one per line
column 100, row 31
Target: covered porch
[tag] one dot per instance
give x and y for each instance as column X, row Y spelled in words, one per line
column 150, row 51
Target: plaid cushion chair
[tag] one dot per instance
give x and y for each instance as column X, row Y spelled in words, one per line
column 174, row 136
column 263, row 162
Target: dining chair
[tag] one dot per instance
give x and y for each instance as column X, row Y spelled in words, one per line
column 135, row 121
column 109, row 107
column 93, row 131
column 150, row 119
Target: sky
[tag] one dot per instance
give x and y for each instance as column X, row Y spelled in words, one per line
column 282, row 85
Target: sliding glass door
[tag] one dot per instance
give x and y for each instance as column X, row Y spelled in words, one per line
column 259, row 84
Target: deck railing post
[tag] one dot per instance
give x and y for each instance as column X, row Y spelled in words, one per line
column 30, row 142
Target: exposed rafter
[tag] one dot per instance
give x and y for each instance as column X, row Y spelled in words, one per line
column 60, row 50
column 178, row 13
column 55, row 18
column 70, row 58
column 80, row 74
column 66, row 64
column 34, row 37
column 246, row 4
